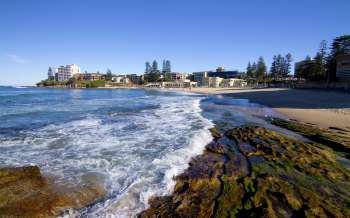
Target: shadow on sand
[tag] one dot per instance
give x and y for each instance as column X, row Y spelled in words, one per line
column 296, row 98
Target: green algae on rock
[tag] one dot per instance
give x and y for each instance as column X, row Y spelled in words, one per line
column 24, row 192
column 254, row 172
column 336, row 138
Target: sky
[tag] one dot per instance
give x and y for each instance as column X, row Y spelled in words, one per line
column 195, row 35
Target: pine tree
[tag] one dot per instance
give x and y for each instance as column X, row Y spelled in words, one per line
column 340, row 46
column 288, row 63
column 109, row 75
column 261, row 69
column 280, row 66
column 254, row 69
column 155, row 66
column 148, row 67
column 274, row 70
column 250, row 70
column 168, row 66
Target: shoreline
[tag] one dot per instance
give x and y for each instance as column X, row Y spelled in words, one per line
column 320, row 108
column 316, row 107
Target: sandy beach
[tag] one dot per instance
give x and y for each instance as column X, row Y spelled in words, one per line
column 322, row 108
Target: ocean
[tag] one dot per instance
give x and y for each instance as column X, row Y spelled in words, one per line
column 133, row 140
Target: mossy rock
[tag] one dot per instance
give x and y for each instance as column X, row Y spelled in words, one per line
column 261, row 173
column 336, row 138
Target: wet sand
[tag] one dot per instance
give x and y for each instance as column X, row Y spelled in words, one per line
column 322, row 108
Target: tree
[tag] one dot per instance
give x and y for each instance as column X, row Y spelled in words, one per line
column 280, row 63
column 309, row 69
column 250, row 70
column 168, row 66
column 274, row 67
column 340, row 46
column 148, row 67
column 155, row 66
column 152, row 77
column 288, row 63
column 308, row 58
column 109, row 75
column 261, row 69
column 71, row 81
column 254, row 66
column 281, row 66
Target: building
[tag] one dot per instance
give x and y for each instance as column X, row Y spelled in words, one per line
column 64, row 73
column 220, row 72
column 179, row 84
column 233, row 82
column 343, row 67
column 220, row 69
column 90, row 76
column 179, row 76
column 214, row 82
column 134, row 78
column 121, row 79
column 200, row 78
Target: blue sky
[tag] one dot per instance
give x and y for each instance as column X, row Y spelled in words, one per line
column 194, row 34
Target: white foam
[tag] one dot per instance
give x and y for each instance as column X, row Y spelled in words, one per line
column 139, row 155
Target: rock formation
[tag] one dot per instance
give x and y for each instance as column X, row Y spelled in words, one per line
column 254, row 172
column 24, row 192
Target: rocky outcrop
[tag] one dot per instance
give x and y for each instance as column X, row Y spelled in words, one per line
column 24, row 192
column 336, row 138
column 254, row 172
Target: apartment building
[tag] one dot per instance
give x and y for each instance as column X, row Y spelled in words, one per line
column 179, row 76
column 201, row 78
column 64, row 73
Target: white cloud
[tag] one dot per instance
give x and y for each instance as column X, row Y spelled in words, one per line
column 17, row 59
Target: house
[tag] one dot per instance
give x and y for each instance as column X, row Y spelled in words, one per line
column 343, row 68
column 121, row 79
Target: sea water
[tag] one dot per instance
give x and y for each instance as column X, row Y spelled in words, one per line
column 136, row 141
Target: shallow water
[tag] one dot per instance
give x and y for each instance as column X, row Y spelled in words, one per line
column 135, row 141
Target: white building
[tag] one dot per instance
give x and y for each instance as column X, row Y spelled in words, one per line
column 179, row 76
column 64, row 73
column 233, row 82
column 213, row 82
column 121, row 79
